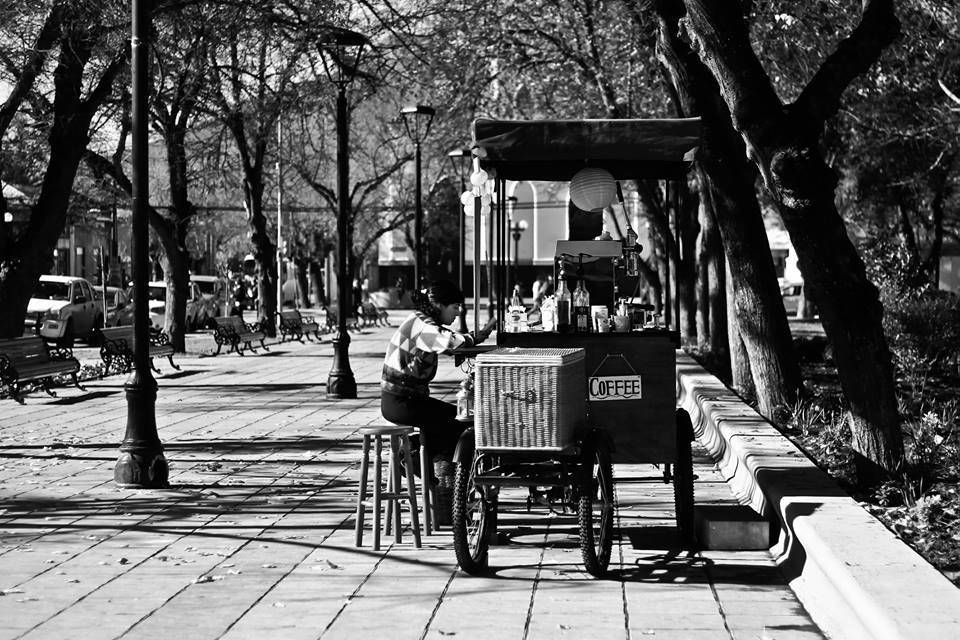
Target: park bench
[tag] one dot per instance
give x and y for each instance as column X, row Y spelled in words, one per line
column 331, row 312
column 116, row 348
column 372, row 315
column 233, row 331
column 28, row 359
column 296, row 326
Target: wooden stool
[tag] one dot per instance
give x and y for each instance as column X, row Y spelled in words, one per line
column 399, row 441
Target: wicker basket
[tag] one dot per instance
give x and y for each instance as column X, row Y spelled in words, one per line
column 529, row 398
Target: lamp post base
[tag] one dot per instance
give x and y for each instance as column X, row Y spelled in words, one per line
column 341, row 383
column 141, row 464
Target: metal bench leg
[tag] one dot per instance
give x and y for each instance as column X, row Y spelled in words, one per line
column 249, row 345
column 153, row 367
column 170, row 358
column 76, row 382
column 263, row 345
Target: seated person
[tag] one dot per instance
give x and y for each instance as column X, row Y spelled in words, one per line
column 411, row 364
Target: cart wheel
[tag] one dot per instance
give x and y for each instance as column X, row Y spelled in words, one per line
column 474, row 517
column 683, row 477
column 596, row 512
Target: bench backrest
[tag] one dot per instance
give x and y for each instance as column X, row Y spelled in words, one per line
column 25, row 350
column 233, row 322
column 118, row 333
column 290, row 316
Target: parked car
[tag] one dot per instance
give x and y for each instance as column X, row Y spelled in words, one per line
column 791, row 291
column 119, row 311
column 213, row 298
column 64, row 307
column 157, row 303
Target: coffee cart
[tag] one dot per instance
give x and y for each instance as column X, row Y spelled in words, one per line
column 555, row 410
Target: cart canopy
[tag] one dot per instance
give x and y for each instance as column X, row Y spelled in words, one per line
column 556, row 149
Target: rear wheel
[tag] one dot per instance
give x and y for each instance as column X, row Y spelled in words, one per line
column 683, row 477
column 597, row 509
column 474, row 518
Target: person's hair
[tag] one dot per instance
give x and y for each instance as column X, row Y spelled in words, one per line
column 439, row 294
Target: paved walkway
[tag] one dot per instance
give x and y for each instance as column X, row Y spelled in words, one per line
column 254, row 539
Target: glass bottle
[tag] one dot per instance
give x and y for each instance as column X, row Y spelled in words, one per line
column 631, row 252
column 581, row 308
column 563, row 303
column 517, row 313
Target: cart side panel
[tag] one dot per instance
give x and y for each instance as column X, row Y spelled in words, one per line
column 643, row 429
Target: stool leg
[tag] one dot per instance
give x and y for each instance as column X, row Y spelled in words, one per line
column 362, row 496
column 377, row 474
column 425, row 484
column 411, row 491
column 395, row 477
column 388, row 523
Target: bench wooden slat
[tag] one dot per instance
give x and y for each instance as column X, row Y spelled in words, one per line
column 28, row 359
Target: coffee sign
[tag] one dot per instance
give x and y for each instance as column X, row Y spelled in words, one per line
column 604, row 388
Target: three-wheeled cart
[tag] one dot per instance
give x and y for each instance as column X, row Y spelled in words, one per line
column 553, row 412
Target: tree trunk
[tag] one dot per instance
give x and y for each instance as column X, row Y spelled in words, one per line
column 303, row 281
column 176, row 272
column 716, row 282
column 687, row 231
column 316, row 283
column 758, row 318
column 705, row 220
column 783, row 142
column 264, row 252
column 31, row 254
column 741, row 377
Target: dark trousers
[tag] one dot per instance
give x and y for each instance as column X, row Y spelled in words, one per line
column 435, row 417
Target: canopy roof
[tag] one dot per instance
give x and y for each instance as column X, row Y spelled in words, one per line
column 557, row 149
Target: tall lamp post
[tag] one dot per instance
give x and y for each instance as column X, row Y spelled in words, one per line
column 141, row 463
column 417, row 120
column 340, row 51
column 461, row 160
column 516, row 230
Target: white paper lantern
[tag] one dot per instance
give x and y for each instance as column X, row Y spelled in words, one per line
column 592, row 189
column 478, row 178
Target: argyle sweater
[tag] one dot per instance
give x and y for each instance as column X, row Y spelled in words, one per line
column 411, row 360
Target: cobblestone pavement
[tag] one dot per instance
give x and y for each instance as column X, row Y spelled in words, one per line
column 254, row 539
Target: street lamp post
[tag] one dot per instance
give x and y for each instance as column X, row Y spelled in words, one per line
column 417, row 120
column 141, row 463
column 516, row 230
column 340, row 51
column 461, row 160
